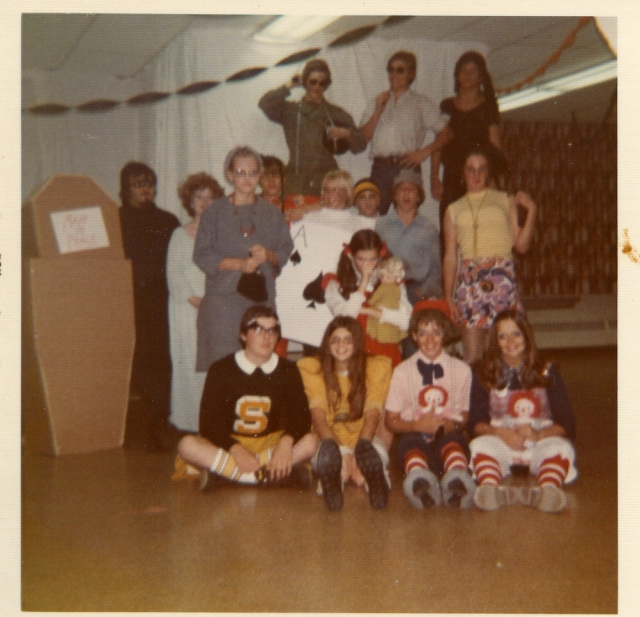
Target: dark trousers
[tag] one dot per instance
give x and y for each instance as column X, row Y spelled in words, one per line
column 383, row 174
column 151, row 370
column 431, row 448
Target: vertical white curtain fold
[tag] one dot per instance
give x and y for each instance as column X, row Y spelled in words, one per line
column 188, row 133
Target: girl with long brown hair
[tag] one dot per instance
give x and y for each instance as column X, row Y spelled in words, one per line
column 474, row 120
column 348, row 290
column 522, row 418
column 346, row 391
column 532, row 372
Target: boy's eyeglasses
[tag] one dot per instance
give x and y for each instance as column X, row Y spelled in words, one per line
column 261, row 330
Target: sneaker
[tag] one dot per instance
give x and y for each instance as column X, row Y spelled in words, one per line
column 547, row 498
column 422, row 489
column 210, row 481
column 329, row 467
column 490, row 497
column 458, row 488
column 370, row 464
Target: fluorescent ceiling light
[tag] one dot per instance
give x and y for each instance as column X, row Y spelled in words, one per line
column 288, row 28
column 556, row 87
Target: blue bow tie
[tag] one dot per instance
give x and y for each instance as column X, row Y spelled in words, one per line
column 509, row 377
column 429, row 371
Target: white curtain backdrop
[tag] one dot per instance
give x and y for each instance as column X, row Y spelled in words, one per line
column 187, row 134
column 96, row 144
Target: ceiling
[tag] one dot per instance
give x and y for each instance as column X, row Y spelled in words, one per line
column 112, row 45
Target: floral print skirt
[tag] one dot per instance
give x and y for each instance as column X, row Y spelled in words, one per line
column 484, row 288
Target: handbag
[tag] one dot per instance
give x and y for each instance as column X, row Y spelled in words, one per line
column 252, row 285
column 334, row 146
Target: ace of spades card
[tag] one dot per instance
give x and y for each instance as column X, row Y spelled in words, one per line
column 317, row 248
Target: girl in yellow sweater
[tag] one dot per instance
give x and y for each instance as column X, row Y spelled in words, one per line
column 346, row 391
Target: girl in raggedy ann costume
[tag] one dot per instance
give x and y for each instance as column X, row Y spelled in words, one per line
column 427, row 407
column 522, row 417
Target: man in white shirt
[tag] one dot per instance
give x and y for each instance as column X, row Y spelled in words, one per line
column 396, row 123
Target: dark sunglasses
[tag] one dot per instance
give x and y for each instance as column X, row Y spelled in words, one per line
column 317, row 82
column 396, row 69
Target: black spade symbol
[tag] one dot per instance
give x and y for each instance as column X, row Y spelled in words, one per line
column 313, row 291
column 295, row 258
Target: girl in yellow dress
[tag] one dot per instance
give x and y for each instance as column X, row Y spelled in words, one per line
column 346, row 391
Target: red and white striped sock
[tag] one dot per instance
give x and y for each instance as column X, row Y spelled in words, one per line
column 487, row 469
column 553, row 471
column 414, row 459
column 453, row 457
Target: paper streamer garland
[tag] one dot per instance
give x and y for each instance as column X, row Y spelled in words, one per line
column 349, row 38
column 542, row 69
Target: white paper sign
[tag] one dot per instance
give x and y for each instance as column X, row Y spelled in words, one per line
column 82, row 229
column 318, row 241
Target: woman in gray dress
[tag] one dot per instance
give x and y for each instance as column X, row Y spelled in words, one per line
column 240, row 235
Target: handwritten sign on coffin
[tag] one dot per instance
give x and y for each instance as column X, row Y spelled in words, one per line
column 80, row 229
column 317, row 246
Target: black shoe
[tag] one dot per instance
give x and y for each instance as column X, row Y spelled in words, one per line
column 300, row 478
column 329, row 469
column 372, row 469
